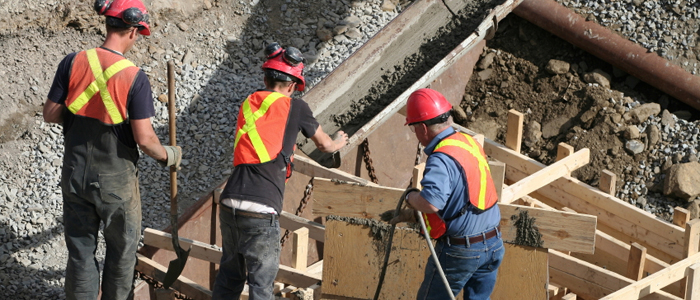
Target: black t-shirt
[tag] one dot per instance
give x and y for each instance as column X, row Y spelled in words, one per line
column 139, row 103
column 264, row 183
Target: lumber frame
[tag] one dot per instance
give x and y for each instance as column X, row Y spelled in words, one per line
column 607, row 182
column 655, row 282
column 300, row 249
column 545, row 176
column 293, row 222
column 186, row 286
column 681, row 216
column 514, row 130
column 588, row 280
column 309, row 167
column 560, row 230
column 635, row 263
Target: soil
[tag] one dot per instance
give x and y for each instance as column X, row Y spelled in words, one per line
column 568, row 109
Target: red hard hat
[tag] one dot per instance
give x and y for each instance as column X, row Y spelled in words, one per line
column 278, row 62
column 131, row 12
column 425, row 104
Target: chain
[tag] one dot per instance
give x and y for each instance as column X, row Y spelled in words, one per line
column 368, row 161
column 158, row 285
column 302, row 205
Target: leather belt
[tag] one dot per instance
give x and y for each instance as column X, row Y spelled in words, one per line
column 477, row 238
column 249, row 214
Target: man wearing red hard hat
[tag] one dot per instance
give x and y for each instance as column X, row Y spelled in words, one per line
column 266, row 131
column 457, row 202
column 104, row 103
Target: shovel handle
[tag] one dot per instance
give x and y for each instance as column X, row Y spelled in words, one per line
column 171, row 123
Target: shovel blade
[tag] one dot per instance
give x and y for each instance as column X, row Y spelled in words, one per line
column 175, row 267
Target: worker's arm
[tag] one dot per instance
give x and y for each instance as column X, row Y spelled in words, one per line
column 147, row 139
column 53, row 112
column 419, row 203
column 324, row 143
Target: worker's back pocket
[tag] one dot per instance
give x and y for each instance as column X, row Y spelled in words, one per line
column 117, row 187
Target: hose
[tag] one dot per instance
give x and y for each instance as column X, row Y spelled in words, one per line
column 427, row 238
column 434, row 255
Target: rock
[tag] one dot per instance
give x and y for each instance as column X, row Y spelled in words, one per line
column 324, row 34
column 667, row 118
column 557, row 67
column 653, row 134
column 682, row 181
column 694, row 209
column 486, row 61
column 641, row 113
column 588, row 116
column 353, row 33
column 683, row 114
column 599, row 77
column 163, row 98
column 340, row 29
column 387, row 5
column 352, row 21
column 297, row 42
column 631, row 132
column 182, row 26
column 634, row 147
column 667, row 165
column 631, row 81
column 459, row 115
column 207, row 4
column 188, row 57
column 678, row 157
column 692, row 157
column 532, row 133
column 340, row 38
column 556, row 126
column 485, row 74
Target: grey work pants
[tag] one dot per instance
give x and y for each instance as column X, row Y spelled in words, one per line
column 114, row 200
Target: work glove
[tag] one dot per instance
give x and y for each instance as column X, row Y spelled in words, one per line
column 405, row 215
column 174, row 157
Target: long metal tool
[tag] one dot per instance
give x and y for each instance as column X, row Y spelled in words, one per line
column 177, row 265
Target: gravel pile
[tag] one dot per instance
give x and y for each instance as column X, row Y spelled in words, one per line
column 210, row 88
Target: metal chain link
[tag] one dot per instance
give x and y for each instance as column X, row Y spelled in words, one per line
column 158, row 285
column 368, row 161
column 302, row 205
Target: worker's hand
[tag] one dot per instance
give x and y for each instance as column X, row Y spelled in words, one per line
column 174, row 156
column 405, row 215
column 341, row 139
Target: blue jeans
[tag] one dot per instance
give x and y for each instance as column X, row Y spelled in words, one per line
column 117, row 203
column 251, row 251
column 470, row 267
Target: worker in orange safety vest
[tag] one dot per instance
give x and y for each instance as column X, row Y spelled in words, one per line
column 457, row 201
column 104, row 103
column 268, row 123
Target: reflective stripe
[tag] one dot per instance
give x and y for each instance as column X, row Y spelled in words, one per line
column 100, row 85
column 427, row 222
column 250, row 128
column 476, row 153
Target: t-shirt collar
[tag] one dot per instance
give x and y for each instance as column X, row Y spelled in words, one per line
column 445, row 133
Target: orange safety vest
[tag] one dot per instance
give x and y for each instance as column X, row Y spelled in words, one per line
column 99, row 85
column 482, row 192
column 260, row 129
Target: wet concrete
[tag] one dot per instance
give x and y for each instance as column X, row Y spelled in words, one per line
column 527, row 232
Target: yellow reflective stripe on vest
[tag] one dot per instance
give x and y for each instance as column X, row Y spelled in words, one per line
column 250, row 128
column 100, row 85
column 428, row 226
column 483, row 164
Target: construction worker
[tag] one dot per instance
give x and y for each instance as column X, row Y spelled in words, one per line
column 104, row 103
column 457, row 202
column 266, row 131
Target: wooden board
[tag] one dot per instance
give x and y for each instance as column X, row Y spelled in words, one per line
column 186, row 286
column 524, row 274
column 353, row 260
column 560, row 230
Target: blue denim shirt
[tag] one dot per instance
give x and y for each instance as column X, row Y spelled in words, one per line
column 444, row 186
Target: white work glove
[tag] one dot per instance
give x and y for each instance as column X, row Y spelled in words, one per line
column 174, row 156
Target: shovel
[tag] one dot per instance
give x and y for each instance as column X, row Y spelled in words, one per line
column 175, row 267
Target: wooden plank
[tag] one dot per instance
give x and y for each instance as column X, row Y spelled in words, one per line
column 559, row 230
column 417, row 175
column 569, row 296
column 157, row 271
column 523, row 274
column 307, row 166
column 353, row 259
column 546, row 175
column 292, row 222
column 295, row 277
column 498, row 174
column 514, row 130
column 300, row 249
column 681, row 216
column 315, row 268
column 163, row 240
column 635, row 263
column 611, row 211
column 588, row 280
column 693, row 289
column 564, row 150
column 607, row 182
column 654, row 282
column 692, row 237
